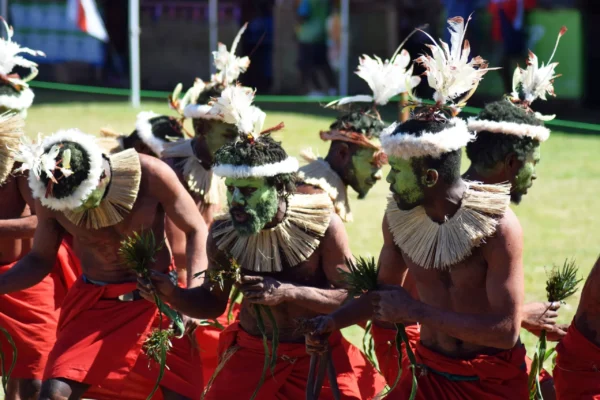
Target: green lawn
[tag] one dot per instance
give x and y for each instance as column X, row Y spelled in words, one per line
column 559, row 215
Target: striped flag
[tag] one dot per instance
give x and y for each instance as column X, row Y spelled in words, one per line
column 85, row 14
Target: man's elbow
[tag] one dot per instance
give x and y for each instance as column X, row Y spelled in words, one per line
column 509, row 338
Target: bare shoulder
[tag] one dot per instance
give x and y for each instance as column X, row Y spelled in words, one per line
column 305, row 188
column 508, row 229
column 336, row 226
column 155, row 171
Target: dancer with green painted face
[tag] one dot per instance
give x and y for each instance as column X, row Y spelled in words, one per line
column 355, row 157
column 459, row 240
column 283, row 250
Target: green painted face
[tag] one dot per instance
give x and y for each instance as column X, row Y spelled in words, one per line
column 404, row 183
column 252, row 204
column 364, row 172
column 94, row 199
column 525, row 176
column 219, row 135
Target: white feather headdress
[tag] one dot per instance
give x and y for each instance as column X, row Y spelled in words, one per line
column 385, row 78
column 41, row 158
column 449, row 70
column 10, row 58
column 535, row 81
column 230, row 66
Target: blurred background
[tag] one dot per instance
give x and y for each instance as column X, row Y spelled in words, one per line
column 297, row 46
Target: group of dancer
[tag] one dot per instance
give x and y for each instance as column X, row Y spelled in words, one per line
column 239, row 216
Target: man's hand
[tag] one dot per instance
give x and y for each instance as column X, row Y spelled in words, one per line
column 393, row 304
column 191, row 324
column 540, row 316
column 264, row 290
column 160, row 284
column 317, row 332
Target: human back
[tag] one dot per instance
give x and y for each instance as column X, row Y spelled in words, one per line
column 12, row 206
column 587, row 318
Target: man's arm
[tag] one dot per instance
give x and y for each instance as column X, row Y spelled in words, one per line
column 207, row 301
column 20, row 227
column 498, row 328
column 39, row 262
column 182, row 211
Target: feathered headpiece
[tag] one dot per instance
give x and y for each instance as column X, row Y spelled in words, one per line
column 385, row 78
column 435, row 130
column 513, row 115
column 17, row 95
column 228, row 65
column 156, row 130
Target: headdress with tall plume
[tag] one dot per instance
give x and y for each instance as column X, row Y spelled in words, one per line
column 513, row 115
column 434, row 130
column 14, row 90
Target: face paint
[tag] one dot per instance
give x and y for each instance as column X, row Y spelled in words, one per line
column 219, row 135
column 94, row 199
column 252, row 204
column 363, row 173
column 404, row 184
column 525, row 176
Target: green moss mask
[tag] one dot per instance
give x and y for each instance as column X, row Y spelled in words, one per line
column 363, row 172
column 252, row 204
column 525, row 176
column 404, row 184
column 218, row 135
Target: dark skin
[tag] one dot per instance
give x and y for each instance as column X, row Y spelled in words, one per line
column 160, row 194
column 472, row 309
column 304, row 291
column 17, row 226
column 587, row 318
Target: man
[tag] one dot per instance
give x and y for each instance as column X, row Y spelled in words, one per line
column 461, row 243
column 355, row 157
column 152, row 132
column 576, row 373
column 506, row 149
column 99, row 200
column 30, row 316
column 14, row 91
column 290, row 248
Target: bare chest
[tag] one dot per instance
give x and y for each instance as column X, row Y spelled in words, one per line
column 12, row 204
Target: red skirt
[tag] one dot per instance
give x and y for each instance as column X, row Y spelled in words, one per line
column 99, row 343
column 242, row 369
column 498, row 377
column 385, row 348
column 577, row 371
column 31, row 316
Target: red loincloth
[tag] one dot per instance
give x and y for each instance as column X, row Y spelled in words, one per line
column 207, row 338
column 241, row 372
column 99, row 343
column 577, row 371
column 501, row 376
column 385, row 349
column 31, row 316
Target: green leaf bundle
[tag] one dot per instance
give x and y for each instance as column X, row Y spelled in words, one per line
column 6, row 374
column 561, row 284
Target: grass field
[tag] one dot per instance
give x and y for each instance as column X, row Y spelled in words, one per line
column 559, row 215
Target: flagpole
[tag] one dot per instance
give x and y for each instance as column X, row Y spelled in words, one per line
column 134, row 51
column 344, row 47
column 4, row 9
column 213, row 31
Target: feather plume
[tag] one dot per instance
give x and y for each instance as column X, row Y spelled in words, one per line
column 448, row 69
column 10, row 58
column 234, row 106
column 535, row 81
column 229, row 66
column 385, row 78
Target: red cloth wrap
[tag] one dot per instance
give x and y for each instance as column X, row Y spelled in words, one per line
column 240, row 374
column 577, row 371
column 501, row 376
column 207, row 338
column 31, row 316
column 385, row 348
column 99, row 343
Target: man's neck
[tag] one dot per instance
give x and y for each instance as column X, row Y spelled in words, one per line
column 278, row 218
column 337, row 169
column 446, row 203
column 488, row 177
column 201, row 152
